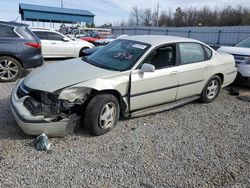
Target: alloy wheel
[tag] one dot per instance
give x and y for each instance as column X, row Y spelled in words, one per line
column 212, row 89
column 107, row 116
column 8, row 70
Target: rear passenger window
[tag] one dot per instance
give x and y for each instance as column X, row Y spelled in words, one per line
column 41, row 35
column 7, row 31
column 191, row 53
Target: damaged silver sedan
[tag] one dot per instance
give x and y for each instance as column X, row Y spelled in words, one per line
column 130, row 77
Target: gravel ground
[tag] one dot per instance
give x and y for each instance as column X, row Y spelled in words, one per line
column 197, row 145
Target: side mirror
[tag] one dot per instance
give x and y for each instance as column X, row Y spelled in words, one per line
column 66, row 39
column 147, row 68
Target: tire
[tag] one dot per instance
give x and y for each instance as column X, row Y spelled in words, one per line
column 10, row 69
column 101, row 114
column 81, row 51
column 211, row 89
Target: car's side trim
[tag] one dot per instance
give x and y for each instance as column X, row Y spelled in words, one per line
column 165, row 88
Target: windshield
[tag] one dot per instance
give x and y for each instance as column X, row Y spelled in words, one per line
column 245, row 43
column 119, row 55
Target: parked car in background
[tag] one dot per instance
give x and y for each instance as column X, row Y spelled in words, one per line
column 57, row 45
column 104, row 41
column 130, row 77
column 19, row 49
column 91, row 37
column 241, row 53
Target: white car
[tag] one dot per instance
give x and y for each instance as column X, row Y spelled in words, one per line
column 241, row 53
column 129, row 77
column 57, row 45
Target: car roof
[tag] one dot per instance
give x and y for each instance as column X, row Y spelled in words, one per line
column 14, row 24
column 158, row 39
column 41, row 29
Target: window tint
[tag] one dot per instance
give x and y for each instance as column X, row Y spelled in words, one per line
column 162, row 57
column 41, row 35
column 191, row 52
column 54, row 36
column 208, row 51
column 7, row 31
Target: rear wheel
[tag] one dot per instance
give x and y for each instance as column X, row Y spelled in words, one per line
column 10, row 69
column 211, row 89
column 102, row 114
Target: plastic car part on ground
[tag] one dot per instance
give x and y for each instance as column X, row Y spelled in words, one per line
column 244, row 98
column 42, row 142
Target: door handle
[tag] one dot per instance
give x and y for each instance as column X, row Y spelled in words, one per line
column 53, row 43
column 173, row 73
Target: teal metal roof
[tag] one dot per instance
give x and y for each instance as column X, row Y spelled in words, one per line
column 54, row 14
column 31, row 7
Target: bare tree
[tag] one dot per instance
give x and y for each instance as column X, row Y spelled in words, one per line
column 147, row 17
column 166, row 18
column 204, row 16
column 135, row 16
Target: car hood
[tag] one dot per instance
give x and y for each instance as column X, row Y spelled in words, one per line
column 234, row 50
column 62, row 74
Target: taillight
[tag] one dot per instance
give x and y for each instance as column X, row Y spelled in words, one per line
column 33, row 44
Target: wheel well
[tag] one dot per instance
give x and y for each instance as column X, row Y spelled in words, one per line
column 123, row 105
column 221, row 77
column 83, row 48
column 12, row 56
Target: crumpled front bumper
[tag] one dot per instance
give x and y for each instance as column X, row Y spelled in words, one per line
column 36, row 125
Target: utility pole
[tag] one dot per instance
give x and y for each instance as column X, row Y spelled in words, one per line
column 157, row 17
column 61, row 3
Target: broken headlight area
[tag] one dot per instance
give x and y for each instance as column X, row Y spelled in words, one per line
column 22, row 90
column 58, row 105
column 48, row 105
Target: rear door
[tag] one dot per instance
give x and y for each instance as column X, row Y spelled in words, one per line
column 194, row 69
column 43, row 36
column 158, row 87
column 58, row 47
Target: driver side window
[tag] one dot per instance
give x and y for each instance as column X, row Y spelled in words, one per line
column 162, row 57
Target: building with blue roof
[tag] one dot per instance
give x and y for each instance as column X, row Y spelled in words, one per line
column 39, row 13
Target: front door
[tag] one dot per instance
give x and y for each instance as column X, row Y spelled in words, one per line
column 158, row 87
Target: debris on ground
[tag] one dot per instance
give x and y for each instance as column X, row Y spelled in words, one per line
column 234, row 91
column 42, row 142
column 244, row 98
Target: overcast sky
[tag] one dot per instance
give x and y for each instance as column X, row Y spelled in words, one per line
column 113, row 11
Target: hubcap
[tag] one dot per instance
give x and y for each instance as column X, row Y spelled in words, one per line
column 212, row 89
column 8, row 70
column 107, row 116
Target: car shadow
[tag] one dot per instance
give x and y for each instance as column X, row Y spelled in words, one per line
column 10, row 130
column 56, row 59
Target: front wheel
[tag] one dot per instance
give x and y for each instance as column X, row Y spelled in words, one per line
column 211, row 89
column 101, row 114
